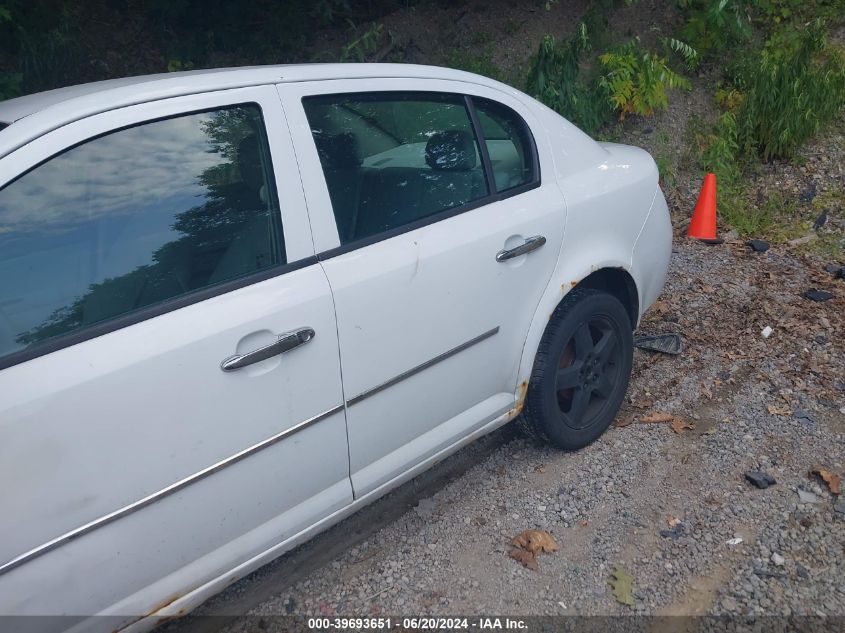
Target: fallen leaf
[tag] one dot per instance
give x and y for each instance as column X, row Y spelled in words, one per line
column 540, row 469
column 672, row 521
column 679, row 425
column 622, row 584
column 657, row 417
column 775, row 410
column 527, row 559
column 833, row 481
column 535, row 541
column 659, row 307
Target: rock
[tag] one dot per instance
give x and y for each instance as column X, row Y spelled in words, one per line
column 809, row 193
column 760, row 479
column 820, row 221
column 778, row 560
column 839, row 506
column 807, row 497
column 758, row 246
column 800, row 414
column 674, row 533
column 802, row 571
column 818, row 295
column 729, row 604
column 836, row 270
column 426, row 507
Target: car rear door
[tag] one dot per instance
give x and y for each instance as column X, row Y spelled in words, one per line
column 437, row 256
column 170, row 394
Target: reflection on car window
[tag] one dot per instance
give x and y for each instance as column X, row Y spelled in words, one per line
column 134, row 218
column 508, row 144
column 392, row 158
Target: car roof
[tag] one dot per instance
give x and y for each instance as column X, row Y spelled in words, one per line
column 45, row 111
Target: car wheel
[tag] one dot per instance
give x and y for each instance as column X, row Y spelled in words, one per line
column 581, row 370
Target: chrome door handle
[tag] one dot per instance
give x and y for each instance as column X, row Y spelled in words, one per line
column 285, row 343
column 531, row 244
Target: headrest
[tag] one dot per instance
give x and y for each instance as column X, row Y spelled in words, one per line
column 249, row 162
column 338, row 150
column 454, row 149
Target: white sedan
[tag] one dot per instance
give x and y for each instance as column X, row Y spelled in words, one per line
column 237, row 305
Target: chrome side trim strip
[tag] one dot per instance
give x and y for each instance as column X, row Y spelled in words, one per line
column 164, row 492
column 415, row 370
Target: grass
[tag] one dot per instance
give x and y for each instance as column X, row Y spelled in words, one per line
column 668, row 178
column 780, row 219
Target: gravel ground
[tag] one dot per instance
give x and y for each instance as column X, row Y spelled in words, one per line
column 662, row 504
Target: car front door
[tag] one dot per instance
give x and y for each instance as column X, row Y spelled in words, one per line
column 170, row 393
column 438, row 242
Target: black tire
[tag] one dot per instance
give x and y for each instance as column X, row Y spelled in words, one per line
column 574, row 394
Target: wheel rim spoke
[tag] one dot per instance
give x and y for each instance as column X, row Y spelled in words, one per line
column 568, row 377
column 583, row 341
column 605, row 347
column 580, row 400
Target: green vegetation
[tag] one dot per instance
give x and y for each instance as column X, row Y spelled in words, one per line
column 712, row 26
column 783, row 81
column 626, row 79
column 780, row 79
column 635, row 81
column 796, row 84
column 555, row 76
column 478, row 63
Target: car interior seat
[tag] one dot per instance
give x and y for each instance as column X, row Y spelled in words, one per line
column 395, row 196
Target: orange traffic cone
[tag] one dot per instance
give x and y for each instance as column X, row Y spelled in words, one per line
column 703, row 224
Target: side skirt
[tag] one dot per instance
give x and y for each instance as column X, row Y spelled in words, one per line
column 188, row 602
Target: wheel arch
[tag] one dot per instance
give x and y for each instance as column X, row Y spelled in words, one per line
column 619, row 283
column 612, row 277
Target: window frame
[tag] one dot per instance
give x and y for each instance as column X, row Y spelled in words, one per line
column 492, row 195
column 145, row 313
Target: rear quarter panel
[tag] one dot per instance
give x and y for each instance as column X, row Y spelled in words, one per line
column 609, row 190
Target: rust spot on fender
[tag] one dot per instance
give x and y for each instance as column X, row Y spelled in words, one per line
column 573, row 283
column 165, row 603
column 152, row 613
column 521, row 392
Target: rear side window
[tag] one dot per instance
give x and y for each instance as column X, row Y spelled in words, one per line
column 391, row 159
column 133, row 219
column 508, row 143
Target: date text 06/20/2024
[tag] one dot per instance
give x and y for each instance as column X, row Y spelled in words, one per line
column 375, row 624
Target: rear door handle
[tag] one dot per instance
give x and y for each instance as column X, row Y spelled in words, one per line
column 530, row 244
column 285, row 343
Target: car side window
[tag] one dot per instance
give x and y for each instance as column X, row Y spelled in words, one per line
column 133, row 219
column 509, row 144
column 393, row 158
